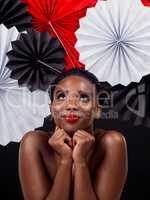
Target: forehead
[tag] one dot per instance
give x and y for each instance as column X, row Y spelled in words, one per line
column 75, row 82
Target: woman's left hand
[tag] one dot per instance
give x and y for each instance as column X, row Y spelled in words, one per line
column 83, row 143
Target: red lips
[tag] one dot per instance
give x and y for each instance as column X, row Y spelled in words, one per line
column 71, row 118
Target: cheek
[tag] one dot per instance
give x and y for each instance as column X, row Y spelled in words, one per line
column 56, row 110
column 88, row 111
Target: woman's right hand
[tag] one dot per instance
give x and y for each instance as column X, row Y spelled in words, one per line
column 57, row 142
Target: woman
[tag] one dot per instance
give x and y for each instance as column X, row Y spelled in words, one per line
column 74, row 162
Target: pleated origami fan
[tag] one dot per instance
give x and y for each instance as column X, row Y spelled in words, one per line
column 60, row 18
column 146, row 2
column 20, row 110
column 114, row 41
column 36, row 60
column 133, row 102
column 127, row 103
column 14, row 13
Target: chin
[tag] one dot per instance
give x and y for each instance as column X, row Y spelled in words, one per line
column 71, row 131
column 71, row 128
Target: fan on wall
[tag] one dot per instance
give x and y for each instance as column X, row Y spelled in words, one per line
column 20, row 110
column 133, row 102
column 114, row 43
column 60, row 18
column 126, row 103
column 36, row 59
column 14, row 13
column 146, row 2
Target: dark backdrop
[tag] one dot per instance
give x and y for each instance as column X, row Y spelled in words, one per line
column 138, row 182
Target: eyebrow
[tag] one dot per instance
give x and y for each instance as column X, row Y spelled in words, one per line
column 59, row 91
column 89, row 93
column 79, row 91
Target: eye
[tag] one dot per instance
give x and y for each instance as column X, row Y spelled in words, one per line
column 84, row 97
column 60, row 96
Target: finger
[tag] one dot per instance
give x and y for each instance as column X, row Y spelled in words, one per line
column 91, row 134
column 60, row 130
column 86, row 134
column 56, row 128
column 65, row 138
column 62, row 136
column 77, row 139
column 73, row 142
column 80, row 134
column 64, row 132
column 80, row 138
column 58, row 134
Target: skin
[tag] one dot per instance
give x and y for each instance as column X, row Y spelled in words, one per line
column 75, row 162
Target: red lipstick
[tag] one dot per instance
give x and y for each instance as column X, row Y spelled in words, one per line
column 71, row 118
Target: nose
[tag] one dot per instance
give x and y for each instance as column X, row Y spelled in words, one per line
column 72, row 103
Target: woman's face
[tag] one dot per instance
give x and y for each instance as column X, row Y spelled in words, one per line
column 74, row 104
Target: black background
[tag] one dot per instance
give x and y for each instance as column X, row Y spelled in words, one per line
column 137, row 186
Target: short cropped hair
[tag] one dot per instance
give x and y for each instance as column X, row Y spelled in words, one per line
column 75, row 71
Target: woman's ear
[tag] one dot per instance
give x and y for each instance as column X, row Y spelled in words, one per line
column 98, row 111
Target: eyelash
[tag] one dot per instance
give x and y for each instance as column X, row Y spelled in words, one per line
column 85, row 97
column 60, row 95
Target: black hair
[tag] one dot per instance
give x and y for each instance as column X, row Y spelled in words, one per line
column 49, row 124
column 75, row 71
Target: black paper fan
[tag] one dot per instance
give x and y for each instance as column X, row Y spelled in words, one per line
column 133, row 102
column 36, row 59
column 130, row 103
column 14, row 13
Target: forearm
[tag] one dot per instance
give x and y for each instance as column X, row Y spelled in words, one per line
column 62, row 182
column 82, row 183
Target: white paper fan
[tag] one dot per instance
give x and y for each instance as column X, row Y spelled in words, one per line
column 20, row 110
column 114, row 41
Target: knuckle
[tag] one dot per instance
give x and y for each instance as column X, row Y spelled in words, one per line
column 82, row 142
column 54, row 143
column 76, row 132
column 49, row 141
column 93, row 139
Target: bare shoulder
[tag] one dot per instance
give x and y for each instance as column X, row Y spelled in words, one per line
column 34, row 139
column 114, row 164
column 112, row 139
column 35, row 177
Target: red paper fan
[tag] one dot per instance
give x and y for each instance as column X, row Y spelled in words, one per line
column 146, row 2
column 60, row 18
